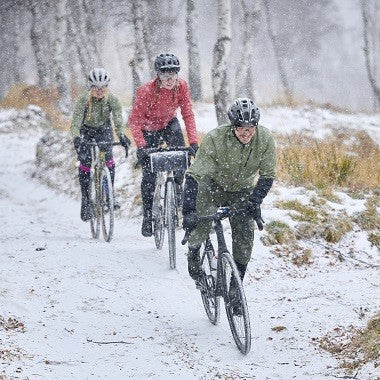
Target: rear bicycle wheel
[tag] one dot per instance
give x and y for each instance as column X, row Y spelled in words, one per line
column 208, row 287
column 170, row 222
column 235, row 304
column 94, row 204
column 158, row 215
column 106, row 203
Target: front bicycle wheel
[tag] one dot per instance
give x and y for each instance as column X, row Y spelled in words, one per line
column 158, row 215
column 235, row 304
column 170, row 222
column 208, row 286
column 106, row 203
column 94, row 204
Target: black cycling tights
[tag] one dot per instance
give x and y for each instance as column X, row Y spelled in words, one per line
column 173, row 136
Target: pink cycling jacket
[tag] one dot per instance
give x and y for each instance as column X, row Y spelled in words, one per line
column 155, row 106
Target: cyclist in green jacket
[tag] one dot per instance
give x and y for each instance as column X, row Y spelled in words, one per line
column 92, row 120
column 223, row 174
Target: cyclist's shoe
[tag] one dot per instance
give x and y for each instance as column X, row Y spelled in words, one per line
column 234, row 300
column 146, row 228
column 116, row 203
column 194, row 266
column 86, row 211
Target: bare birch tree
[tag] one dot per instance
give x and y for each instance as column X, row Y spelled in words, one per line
column 148, row 41
column 77, row 29
column 59, row 58
column 278, row 52
column 244, row 78
column 138, row 61
column 369, row 53
column 221, row 55
column 195, row 82
column 39, row 41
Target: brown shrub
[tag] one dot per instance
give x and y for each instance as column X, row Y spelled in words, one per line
column 346, row 160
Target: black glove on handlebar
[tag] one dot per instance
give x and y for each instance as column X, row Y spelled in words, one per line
column 193, row 149
column 77, row 144
column 125, row 142
column 255, row 210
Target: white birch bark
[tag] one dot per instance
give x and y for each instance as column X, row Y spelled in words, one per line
column 39, row 41
column 148, row 41
column 137, row 62
column 370, row 61
column 244, row 86
column 86, row 51
column 59, row 58
column 278, row 54
column 220, row 60
column 195, row 83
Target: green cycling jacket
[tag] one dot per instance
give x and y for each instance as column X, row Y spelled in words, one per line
column 232, row 165
column 96, row 114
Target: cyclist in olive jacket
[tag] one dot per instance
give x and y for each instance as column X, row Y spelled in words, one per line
column 92, row 120
column 223, row 174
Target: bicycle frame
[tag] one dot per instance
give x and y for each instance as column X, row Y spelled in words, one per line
column 102, row 190
column 165, row 208
column 226, row 284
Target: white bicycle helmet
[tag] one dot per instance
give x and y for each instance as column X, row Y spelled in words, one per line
column 98, row 77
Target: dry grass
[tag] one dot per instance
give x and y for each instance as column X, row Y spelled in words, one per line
column 277, row 233
column 369, row 219
column 354, row 347
column 345, row 160
column 21, row 95
column 304, row 213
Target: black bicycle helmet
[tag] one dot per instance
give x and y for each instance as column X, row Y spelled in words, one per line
column 243, row 112
column 167, row 62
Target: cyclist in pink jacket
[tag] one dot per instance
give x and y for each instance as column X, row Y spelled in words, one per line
column 153, row 119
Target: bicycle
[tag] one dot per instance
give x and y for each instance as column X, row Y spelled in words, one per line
column 216, row 280
column 165, row 208
column 101, row 193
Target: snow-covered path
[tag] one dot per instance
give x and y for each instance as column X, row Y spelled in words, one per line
column 71, row 292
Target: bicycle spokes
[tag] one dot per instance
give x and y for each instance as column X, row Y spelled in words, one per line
column 235, row 304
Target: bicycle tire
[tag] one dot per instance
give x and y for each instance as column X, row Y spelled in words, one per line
column 94, row 201
column 239, row 323
column 170, row 222
column 106, row 204
column 158, row 217
column 211, row 301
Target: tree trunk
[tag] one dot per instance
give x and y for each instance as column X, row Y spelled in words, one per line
column 244, row 78
column 370, row 62
column 59, row 58
column 93, row 16
column 220, row 59
column 148, row 41
column 78, row 32
column 278, row 54
column 195, row 83
column 39, row 41
column 137, row 63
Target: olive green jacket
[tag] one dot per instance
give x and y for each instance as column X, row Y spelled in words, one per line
column 97, row 114
column 232, row 165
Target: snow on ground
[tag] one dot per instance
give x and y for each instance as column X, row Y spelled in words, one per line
column 315, row 121
column 96, row 310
